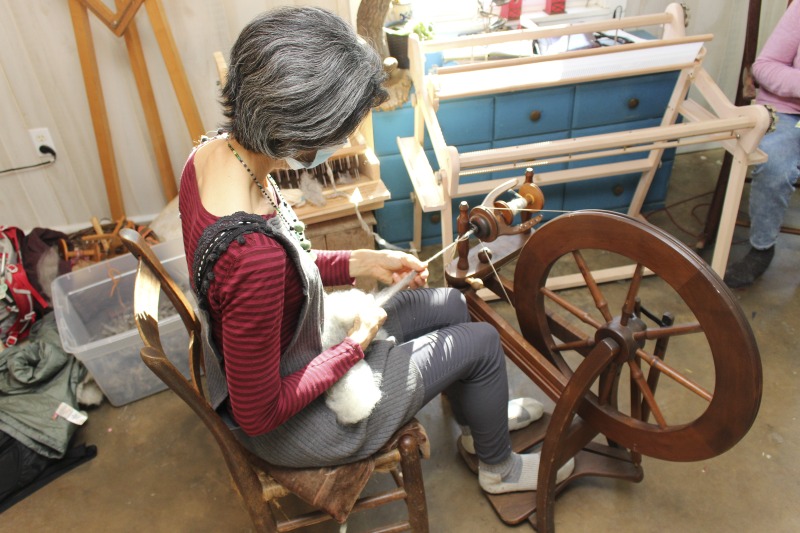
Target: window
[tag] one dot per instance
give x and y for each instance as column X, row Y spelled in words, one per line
column 448, row 11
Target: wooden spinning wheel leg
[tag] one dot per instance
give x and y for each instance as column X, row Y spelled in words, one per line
column 573, row 439
column 556, row 449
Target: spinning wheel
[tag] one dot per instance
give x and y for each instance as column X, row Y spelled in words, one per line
column 680, row 385
column 720, row 412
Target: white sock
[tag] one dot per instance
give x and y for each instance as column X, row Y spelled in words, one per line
column 516, row 473
column 522, row 412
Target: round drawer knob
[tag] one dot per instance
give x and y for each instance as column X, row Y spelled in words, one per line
column 618, row 189
column 535, row 115
column 436, row 218
column 633, row 103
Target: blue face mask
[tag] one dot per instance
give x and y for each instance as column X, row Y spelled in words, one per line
column 323, row 154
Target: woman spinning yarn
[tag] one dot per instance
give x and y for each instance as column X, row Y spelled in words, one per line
column 299, row 83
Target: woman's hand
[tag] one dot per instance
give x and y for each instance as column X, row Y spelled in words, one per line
column 366, row 326
column 388, row 266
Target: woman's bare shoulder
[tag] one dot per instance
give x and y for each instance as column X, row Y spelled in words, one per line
column 224, row 187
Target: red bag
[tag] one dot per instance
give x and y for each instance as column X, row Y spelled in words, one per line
column 553, row 7
column 18, row 298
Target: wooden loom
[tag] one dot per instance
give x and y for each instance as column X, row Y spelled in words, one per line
column 350, row 179
column 121, row 23
column 737, row 129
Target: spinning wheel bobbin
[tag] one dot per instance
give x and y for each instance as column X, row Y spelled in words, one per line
column 494, row 218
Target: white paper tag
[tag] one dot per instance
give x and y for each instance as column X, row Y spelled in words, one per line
column 71, row 414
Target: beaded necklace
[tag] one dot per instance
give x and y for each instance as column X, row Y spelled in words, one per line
column 282, row 207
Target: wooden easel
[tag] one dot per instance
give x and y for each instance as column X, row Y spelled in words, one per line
column 122, row 25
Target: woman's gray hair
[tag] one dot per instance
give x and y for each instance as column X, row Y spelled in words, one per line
column 299, row 79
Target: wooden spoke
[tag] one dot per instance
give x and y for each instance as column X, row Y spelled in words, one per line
column 668, row 331
column 640, row 386
column 579, row 313
column 575, row 345
column 663, row 368
column 633, row 290
column 607, row 388
column 599, row 300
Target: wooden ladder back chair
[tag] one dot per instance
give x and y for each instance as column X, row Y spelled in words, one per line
column 333, row 492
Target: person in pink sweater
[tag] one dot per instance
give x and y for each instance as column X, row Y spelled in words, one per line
column 777, row 73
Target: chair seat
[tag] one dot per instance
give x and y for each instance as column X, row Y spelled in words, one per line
column 336, row 489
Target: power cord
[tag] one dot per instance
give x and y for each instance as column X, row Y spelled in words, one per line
column 43, row 149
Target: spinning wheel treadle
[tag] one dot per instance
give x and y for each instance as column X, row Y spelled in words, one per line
column 602, row 353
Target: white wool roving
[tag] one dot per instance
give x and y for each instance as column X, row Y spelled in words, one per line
column 312, row 190
column 357, row 393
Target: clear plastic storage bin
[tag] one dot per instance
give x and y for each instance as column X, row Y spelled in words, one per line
column 93, row 307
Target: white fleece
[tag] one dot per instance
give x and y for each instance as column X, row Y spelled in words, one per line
column 357, row 393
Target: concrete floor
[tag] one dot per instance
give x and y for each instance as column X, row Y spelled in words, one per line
column 157, row 469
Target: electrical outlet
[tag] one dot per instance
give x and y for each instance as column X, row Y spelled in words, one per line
column 41, row 137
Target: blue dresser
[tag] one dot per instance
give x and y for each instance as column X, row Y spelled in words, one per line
column 523, row 117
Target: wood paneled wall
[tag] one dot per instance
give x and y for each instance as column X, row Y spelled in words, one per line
column 41, row 85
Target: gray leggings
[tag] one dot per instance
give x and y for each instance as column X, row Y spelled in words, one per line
column 463, row 359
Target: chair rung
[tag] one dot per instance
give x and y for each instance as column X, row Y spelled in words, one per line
column 394, row 528
column 387, row 461
column 367, row 502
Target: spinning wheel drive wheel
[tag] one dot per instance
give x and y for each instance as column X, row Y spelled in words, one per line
column 685, row 384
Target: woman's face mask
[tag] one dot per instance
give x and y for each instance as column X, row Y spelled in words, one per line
column 323, row 154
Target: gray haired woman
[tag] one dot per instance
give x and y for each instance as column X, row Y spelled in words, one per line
column 299, row 83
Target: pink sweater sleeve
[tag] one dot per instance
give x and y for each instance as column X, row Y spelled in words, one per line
column 251, row 297
column 777, row 68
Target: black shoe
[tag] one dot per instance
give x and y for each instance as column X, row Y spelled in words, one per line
column 749, row 268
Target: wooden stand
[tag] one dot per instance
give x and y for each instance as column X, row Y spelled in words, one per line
column 684, row 122
column 122, row 25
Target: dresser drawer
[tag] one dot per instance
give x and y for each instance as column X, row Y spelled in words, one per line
column 394, row 175
column 533, row 112
column 622, row 100
column 395, row 223
column 387, row 126
column 616, row 192
column 465, row 121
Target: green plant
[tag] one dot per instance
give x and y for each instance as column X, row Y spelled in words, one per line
column 424, row 31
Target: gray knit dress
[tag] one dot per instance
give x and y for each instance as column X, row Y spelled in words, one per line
column 312, row 437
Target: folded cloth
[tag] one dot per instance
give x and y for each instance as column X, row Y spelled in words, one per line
column 35, row 378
